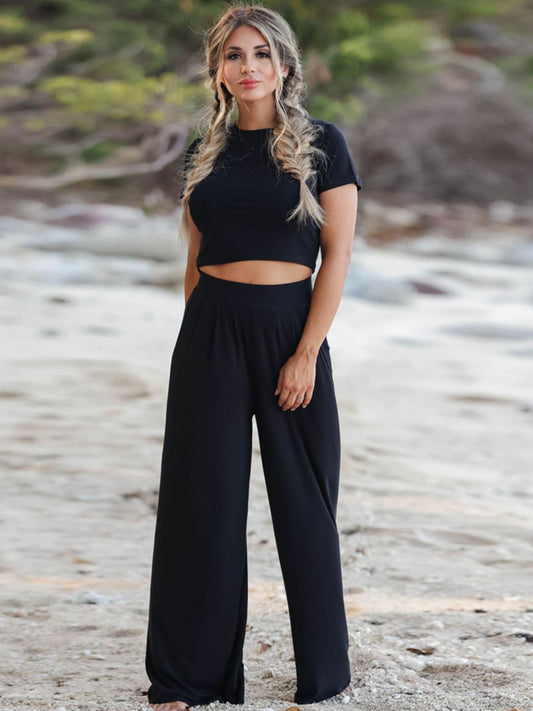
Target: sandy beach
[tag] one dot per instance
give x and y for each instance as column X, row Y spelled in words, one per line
column 435, row 508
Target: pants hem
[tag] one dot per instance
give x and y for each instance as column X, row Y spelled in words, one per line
column 321, row 697
column 204, row 701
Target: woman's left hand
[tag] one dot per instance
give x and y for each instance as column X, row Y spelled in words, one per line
column 296, row 381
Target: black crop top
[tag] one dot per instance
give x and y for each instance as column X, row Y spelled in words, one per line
column 241, row 206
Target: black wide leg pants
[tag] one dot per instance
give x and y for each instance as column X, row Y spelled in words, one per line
column 233, row 340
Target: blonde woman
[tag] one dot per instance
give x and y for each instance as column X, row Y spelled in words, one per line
column 262, row 194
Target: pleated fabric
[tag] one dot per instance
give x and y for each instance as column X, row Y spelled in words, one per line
column 234, row 338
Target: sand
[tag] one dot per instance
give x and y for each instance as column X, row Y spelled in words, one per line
column 434, row 513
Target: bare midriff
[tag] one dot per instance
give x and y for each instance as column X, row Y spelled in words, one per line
column 259, row 271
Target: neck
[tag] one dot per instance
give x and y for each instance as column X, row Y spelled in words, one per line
column 254, row 123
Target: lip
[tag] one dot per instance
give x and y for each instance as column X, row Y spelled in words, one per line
column 249, row 83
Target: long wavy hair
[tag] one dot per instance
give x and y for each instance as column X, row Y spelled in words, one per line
column 291, row 142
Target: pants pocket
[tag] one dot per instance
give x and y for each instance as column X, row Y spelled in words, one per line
column 187, row 320
column 324, row 352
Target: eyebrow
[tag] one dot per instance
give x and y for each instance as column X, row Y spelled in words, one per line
column 257, row 46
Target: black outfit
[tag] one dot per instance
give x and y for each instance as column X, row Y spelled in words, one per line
column 240, row 208
column 233, row 340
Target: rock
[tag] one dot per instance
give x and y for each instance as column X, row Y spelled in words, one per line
column 424, row 287
column 522, row 353
column 408, row 341
column 154, row 238
column 440, row 245
column 90, row 597
column 390, row 216
column 521, row 255
column 79, row 268
column 490, row 330
column 414, row 663
column 365, row 284
column 166, row 275
column 502, row 211
column 436, row 624
column 81, row 214
column 524, row 214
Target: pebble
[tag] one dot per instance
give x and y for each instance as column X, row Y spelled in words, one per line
column 437, row 624
column 90, row 597
column 415, row 663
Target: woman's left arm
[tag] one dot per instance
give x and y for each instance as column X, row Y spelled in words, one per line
column 336, row 236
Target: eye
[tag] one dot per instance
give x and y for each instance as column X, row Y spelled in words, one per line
column 259, row 54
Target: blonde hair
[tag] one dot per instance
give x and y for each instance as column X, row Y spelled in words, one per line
column 291, row 140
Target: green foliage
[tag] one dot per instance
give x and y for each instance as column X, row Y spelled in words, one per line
column 99, row 151
column 347, row 110
column 351, row 58
column 65, row 37
column 13, row 53
column 58, row 11
column 133, row 45
column 394, row 12
column 121, row 62
column 13, row 92
column 11, row 24
column 35, row 123
column 459, row 10
column 381, row 48
column 517, row 66
column 350, row 24
column 150, row 100
column 394, row 42
column 14, row 27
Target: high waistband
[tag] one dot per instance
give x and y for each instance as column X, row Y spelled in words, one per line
column 243, row 294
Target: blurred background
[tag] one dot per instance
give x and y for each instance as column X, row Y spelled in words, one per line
column 99, row 99
column 431, row 346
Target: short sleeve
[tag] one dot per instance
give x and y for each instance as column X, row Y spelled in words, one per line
column 187, row 161
column 340, row 167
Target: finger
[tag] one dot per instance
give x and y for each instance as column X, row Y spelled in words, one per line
column 279, row 385
column 285, row 402
column 308, row 395
column 286, row 399
column 292, row 402
column 289, row 403
column 284, row 395
column 298, row 401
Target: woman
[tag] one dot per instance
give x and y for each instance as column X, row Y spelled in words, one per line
column 262, row 194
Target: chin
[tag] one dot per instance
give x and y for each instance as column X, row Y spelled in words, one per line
column 255, row 94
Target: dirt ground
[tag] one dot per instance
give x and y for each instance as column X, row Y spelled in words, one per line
column 434, row 509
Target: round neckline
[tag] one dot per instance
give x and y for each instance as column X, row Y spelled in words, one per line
column 251, row 131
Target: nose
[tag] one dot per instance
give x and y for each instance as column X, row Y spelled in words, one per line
column 247, row 65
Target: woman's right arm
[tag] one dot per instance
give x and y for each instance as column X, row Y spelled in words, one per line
column 191, row 272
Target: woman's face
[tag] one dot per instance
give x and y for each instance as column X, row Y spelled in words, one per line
column 248, row 71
